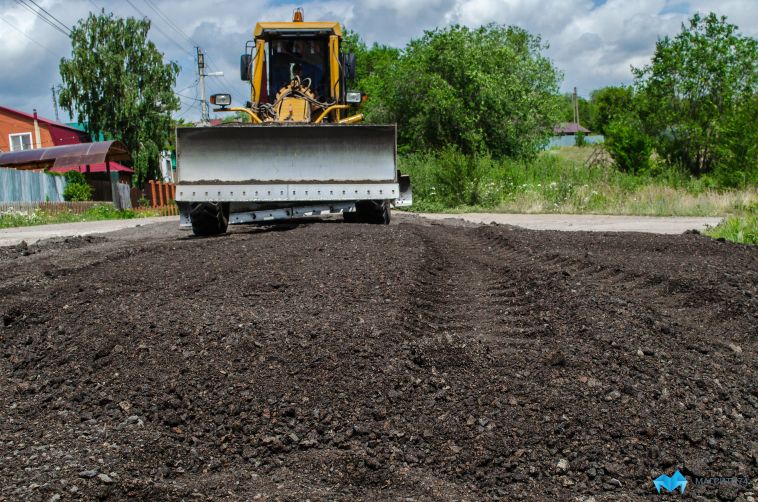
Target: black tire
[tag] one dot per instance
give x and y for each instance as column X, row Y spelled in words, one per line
column 209, row 218
column 385, row 215
column 369, row 211
column 351, row 217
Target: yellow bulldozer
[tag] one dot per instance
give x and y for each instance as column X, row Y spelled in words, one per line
column 304, row 152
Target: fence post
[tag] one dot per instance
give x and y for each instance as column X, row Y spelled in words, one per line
column 152, row 192
column 168, row 193
column 160, row 193
column 174, row 206
column 169, row 200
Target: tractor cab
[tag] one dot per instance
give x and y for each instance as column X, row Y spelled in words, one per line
column 297, row 59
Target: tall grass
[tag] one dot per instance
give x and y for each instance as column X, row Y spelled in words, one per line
column 740, row 228
column 22, row 218
column 559, row 181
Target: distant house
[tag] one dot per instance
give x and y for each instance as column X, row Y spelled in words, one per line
column 569, row 129
column 23, row 131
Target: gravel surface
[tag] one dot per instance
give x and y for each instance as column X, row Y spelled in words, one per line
column 333, row 361
column 31, row 234
column 589, row 222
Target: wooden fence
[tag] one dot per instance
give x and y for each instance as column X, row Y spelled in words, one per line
column 162, row 196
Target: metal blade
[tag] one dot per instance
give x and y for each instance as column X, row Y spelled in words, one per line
column 286, row 153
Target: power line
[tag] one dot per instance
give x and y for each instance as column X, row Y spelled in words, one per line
column 182, row 33
column 193, row 84
column 185, row 112
column 170, row 38
column 166, row 35
column 24, row 34
column 45, row 19
column 61, row 23
column 169, row 21
column 157, row 27
column 188, row 97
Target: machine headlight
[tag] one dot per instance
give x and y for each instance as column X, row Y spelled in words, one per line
column 221, row 99
column 354, row 97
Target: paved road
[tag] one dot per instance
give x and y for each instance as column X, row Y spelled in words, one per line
column 13, row 236
column 589, row 222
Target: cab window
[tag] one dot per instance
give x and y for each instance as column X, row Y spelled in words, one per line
column 306, row 58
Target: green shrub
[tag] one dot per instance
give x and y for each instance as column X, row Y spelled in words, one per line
column 579, row 139
column 107, row 211
column 742, row 228
column 75, row 178
column 628, row 145
column 76, row 188
column 75, row 192
column 451, row 179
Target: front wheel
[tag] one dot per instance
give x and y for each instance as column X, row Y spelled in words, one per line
column 370, row 211
column 385, row 215
column 209, row 218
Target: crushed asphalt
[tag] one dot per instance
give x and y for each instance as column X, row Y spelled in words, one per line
column 419, row 361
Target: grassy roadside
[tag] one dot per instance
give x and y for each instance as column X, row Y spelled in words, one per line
column 740, row 228
column 13, row 218
column 560, row 181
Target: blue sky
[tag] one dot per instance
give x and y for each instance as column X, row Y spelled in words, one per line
column 593, row 42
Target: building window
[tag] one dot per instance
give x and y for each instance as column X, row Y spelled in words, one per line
column 22, row 141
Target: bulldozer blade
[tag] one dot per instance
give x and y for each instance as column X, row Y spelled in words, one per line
column 286, row 153
column 406, row 193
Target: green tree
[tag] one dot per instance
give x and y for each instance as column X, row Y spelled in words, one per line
column 586, row 111
column 488, row 90
column 374, row 65
column 694, row 94
column 117, row 83
column 229, row 118
column 628, row 144
column 610, row 103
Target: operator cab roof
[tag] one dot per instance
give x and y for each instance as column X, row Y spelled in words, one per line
column 296, row 29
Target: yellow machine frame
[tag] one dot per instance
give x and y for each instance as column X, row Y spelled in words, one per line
column 335, row 36
column 261, row 35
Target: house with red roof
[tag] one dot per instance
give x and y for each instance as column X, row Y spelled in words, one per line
column 569, row 129
column 24, row 131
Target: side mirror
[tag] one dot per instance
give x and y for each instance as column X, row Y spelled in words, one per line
column 349, row 65
column 246, row 67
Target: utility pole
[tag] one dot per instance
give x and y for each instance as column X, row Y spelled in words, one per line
column 204, row 114
column 576, row 107
column 55, row 104
column 205, row 117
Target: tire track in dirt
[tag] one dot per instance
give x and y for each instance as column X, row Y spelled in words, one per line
column 333, row 361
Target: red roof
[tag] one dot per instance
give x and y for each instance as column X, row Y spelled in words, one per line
column 94, row 168
column 569, row 128
column 39, row 119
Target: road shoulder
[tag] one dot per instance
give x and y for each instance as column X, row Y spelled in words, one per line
column 586, row 222
column 32, row 234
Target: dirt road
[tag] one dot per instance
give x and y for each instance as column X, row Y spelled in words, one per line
column 589, row 222
column 32, row 234
column 334, row 361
